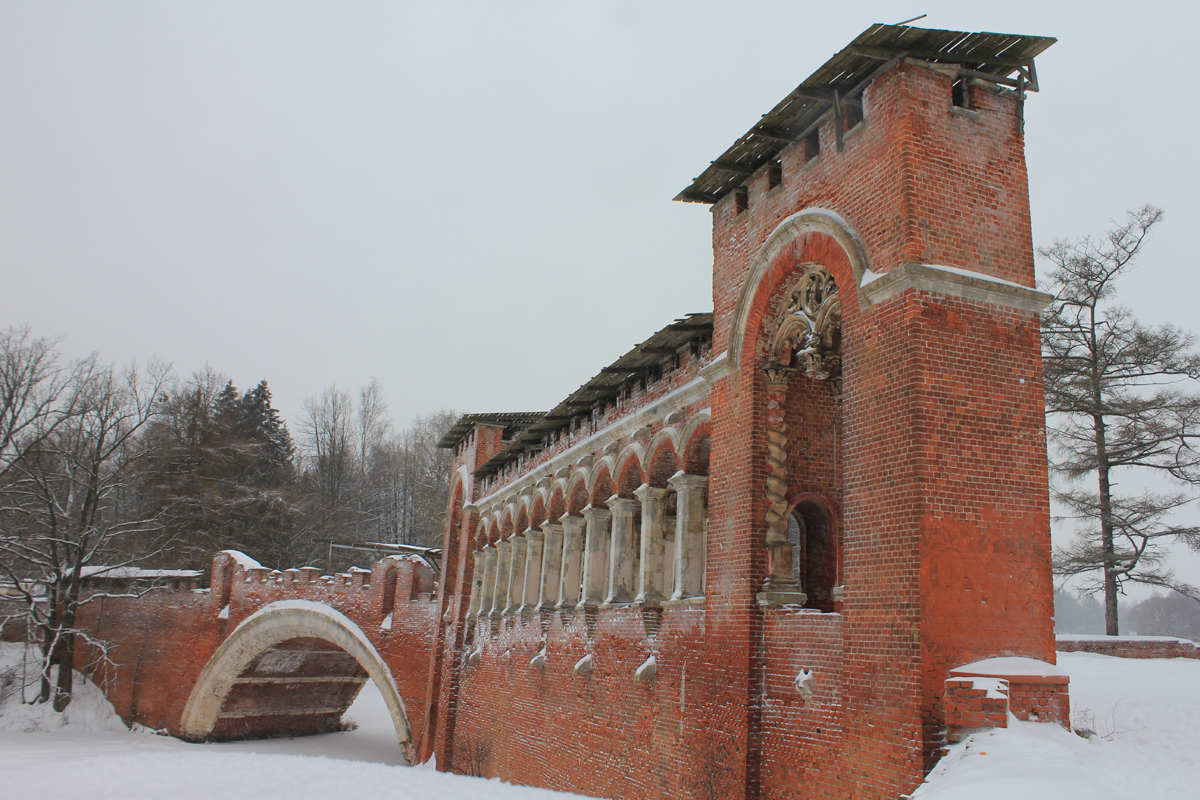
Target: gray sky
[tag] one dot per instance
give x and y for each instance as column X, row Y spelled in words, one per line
column 472, row 201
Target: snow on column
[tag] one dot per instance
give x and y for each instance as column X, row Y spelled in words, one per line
column 476, row 585
column 532, row 589
column 503, row 572
column 572, row 561
column 595, row 565
column 516, row 574
column 488, row 591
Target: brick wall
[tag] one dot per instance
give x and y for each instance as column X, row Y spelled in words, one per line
column 159, row 643
column 932, row 464
column 1129, row 646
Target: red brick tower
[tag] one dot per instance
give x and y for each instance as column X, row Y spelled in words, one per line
column 873, row 294
column 742, row 560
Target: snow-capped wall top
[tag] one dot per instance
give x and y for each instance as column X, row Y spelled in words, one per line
column 243, row 560
column 1011, row 666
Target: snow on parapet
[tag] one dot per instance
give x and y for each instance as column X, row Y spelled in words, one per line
column 870, row 277
column 241, row 559
column 1100, row 637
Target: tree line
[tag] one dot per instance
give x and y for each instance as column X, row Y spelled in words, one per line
column 105, row 466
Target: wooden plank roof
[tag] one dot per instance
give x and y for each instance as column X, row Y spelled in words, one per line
column 512, row 422
column 646, row 358
column 994, row 56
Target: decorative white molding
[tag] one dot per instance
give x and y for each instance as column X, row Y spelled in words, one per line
column 952, row 282
column 694, row 390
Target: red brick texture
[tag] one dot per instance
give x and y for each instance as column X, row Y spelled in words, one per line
column 932, row 466
column 160, row 642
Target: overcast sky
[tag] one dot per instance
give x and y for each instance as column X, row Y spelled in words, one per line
column 472, row 201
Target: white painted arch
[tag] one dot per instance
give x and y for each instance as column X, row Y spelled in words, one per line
column 270, row 626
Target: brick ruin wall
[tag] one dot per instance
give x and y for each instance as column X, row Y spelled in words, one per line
column 159, row 643
column 931, row 469
column 934, row 467
column 1129, row 646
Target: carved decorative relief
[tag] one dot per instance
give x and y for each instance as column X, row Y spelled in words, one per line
column 810, row 335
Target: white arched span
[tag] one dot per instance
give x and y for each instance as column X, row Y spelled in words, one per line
column 270, row 626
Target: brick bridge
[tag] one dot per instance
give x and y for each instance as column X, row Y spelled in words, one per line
column 268, row 652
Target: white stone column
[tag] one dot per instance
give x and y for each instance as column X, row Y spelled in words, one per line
column 500, row 577
column 651, row 579
column 532, row 589
column 478, row 559
column 552, row 552
column 595, row 565
column 516, row 575
column 569, row 594
column 689, row 534
column 670, row 521
column 622, row 567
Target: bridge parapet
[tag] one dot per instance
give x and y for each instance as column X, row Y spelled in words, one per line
column 241, row 585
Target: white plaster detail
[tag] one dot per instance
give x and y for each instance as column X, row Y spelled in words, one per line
column 811, row 220
column 953, row 282
column 647, row 671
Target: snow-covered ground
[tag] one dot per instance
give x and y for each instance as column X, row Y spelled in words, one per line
column 1145, row 715
column 87, row 752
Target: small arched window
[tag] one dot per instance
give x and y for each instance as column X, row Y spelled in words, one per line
column 814, row 554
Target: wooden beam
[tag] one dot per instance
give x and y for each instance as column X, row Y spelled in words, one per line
column 838, row 122
column 625, row 370
column 770, row 133
column 731, row 167
column 888, row 53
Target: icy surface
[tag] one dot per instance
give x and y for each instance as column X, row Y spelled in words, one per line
column 1144, row 715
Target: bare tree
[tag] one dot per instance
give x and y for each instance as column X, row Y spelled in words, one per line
column 65, row 503
column 1119, row 395
column 372, row 424
column 35, row 396
column 329, row 437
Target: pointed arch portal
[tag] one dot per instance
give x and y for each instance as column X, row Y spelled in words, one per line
column 294, row 665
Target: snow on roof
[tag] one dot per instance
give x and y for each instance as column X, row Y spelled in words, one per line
column 119, row 573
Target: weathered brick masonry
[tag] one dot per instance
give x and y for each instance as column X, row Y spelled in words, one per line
column 160, row 644
column 744, row 565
